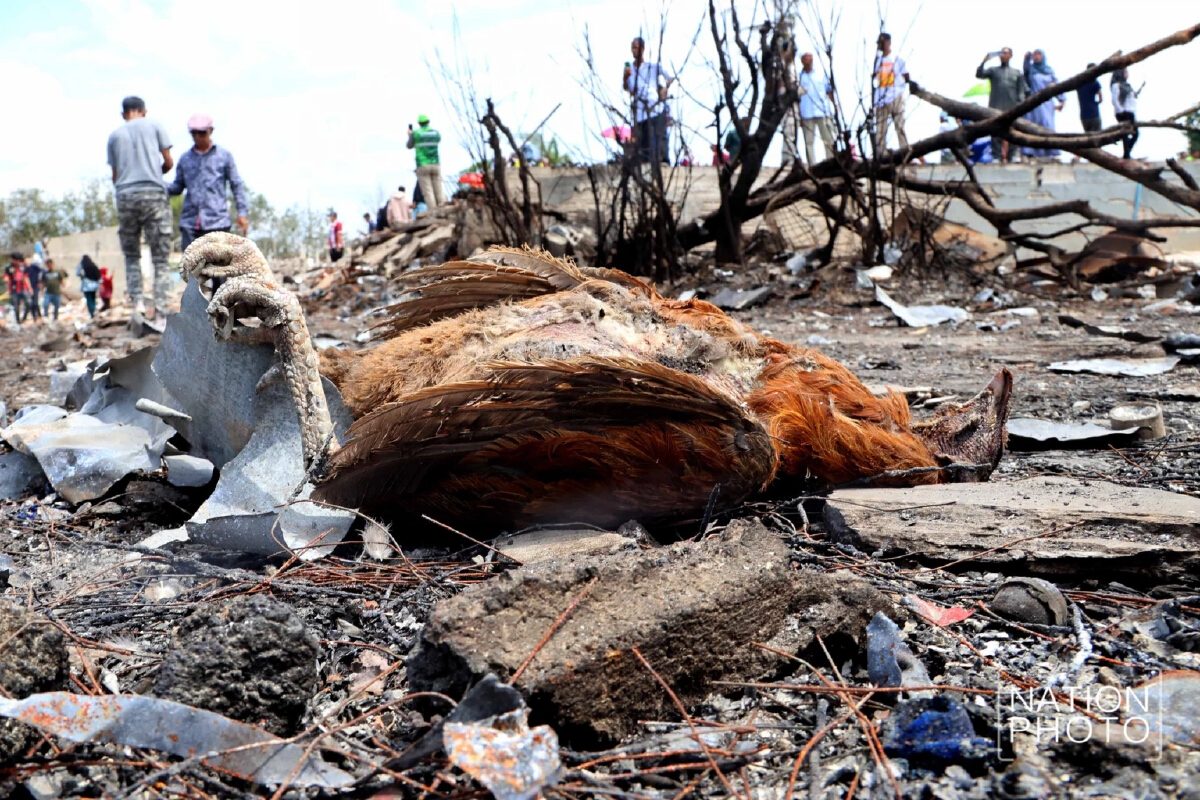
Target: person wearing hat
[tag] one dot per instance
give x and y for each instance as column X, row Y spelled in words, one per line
column 429, row 170
column 139, row 153
column 206, row 172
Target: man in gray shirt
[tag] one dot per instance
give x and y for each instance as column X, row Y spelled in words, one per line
column 1008, row 89
column 139, row 153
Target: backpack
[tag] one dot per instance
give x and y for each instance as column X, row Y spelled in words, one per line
column 91, row 271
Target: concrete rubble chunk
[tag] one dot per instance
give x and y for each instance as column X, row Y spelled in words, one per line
column 1047, row 525
column 250, row 658
column 692, row 610
column 33, row 659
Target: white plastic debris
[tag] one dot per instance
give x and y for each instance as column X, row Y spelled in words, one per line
column 921, row 316
column 134, row 721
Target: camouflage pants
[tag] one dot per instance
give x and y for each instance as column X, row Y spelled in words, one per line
column 146, row 213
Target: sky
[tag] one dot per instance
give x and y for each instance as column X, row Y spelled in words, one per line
column 314, row 99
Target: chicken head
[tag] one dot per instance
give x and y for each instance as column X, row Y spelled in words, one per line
column 972, row 434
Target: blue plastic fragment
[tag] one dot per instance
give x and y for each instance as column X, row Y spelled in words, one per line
column 935, row 728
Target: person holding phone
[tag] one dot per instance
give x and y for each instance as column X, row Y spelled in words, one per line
column 1008, row 89
column 424, row 140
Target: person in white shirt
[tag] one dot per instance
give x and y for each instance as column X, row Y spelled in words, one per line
column 890, row 80
column 789, row 126
column 816, row 105
column 1124, row 100
column 648, row 84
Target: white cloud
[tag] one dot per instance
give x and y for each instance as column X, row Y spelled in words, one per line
column 314, row 99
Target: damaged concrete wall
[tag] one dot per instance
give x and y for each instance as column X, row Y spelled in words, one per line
column 695, row 190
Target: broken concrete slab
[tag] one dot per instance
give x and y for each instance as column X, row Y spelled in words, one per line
column 739, row 299
column 693, row 610
column 1046, row 525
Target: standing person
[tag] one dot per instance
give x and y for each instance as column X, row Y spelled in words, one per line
column 1090, row 97
column 139, row 153
column 18, row 284
column 647, row 84
column 89, row 282
column 52, row 282
column 790, row 126
column 1039, row 75
column 890, row 79
column 106, row 288
column 337, row 242
column 1124, row 100
column 816, row 103
column 206, row 172
column 1008, row 89
column 429, row 170
column 34, row 271
column 399, row 209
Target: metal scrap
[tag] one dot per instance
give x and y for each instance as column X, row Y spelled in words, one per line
column 135, row 721
column 1113, row 331
column 1124, row 367
column 1025, row 430
column 920, row 316
column 513, row 761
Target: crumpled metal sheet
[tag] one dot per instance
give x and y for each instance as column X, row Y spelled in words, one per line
column 134, row 721
column 214, row 381
column 505, row 755
column 920, row 316
column 1123, row 367
column 20, row 474
column 243, row 507
column 83, row 456
column 117, row 385
column 1044, row 430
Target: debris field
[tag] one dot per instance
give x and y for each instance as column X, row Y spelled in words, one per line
column 178, row 619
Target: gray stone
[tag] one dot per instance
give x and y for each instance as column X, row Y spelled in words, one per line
column 33, row 658
column 1046, row 525
column 20, row 475
column 693, row 610
column 1031, row 600
column 250, row 658
column 185, row 470
column 738, row 299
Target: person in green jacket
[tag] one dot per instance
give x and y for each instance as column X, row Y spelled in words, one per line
column 429, row 171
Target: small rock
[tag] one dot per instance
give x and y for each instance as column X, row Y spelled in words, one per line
column 691, row 609
column 1031, row 600
column 250, row 658
column 33, row 659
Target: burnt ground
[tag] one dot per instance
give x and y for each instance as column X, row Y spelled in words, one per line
column 118, row 607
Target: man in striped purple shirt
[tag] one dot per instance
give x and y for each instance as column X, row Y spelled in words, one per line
column 204, row 172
